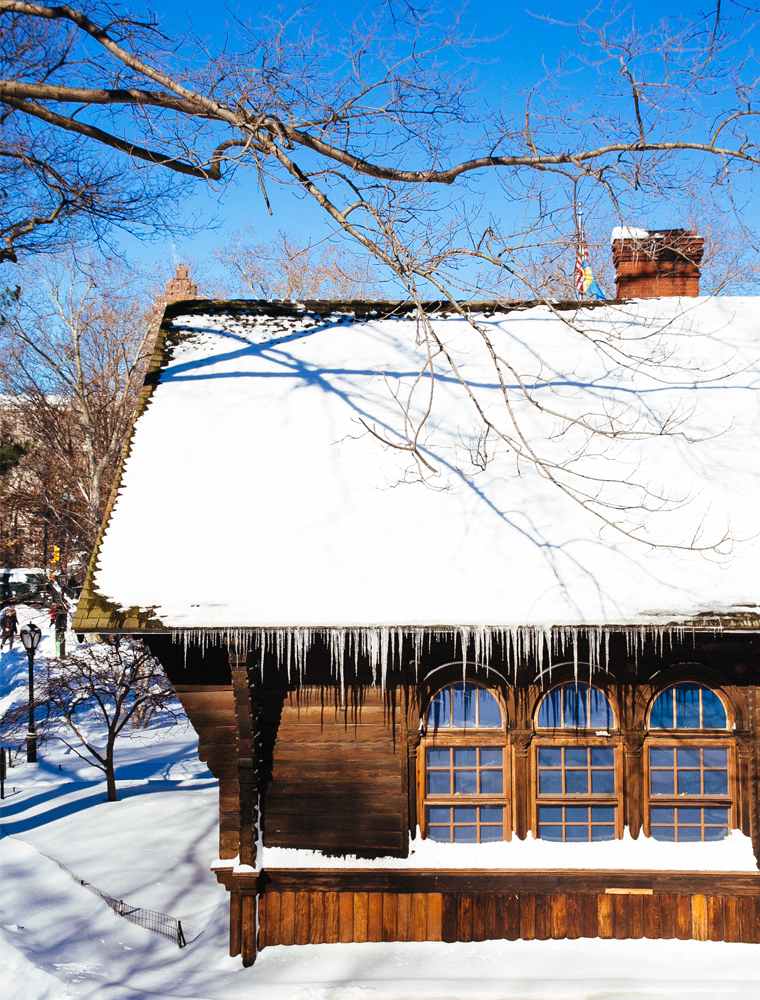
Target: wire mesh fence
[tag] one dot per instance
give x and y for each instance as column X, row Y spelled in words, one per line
column 159, row 923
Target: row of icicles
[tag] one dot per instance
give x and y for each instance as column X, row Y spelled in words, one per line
column 382, row 646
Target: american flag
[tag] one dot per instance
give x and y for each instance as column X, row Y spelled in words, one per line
column 581, row 260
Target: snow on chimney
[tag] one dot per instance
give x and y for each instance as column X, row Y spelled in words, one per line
column 651, row 264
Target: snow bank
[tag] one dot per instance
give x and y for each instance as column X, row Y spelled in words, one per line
column 729, row 855
column 258, row 498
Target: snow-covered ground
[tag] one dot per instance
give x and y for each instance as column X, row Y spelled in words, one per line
column 153, row 849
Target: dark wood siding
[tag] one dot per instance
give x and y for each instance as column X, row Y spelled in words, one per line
column 335, row 772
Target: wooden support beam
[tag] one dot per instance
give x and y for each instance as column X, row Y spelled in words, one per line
column 248, row 942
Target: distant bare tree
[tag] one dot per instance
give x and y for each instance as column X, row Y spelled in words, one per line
column 101, row 692
column 288, row 268
column 72, row 359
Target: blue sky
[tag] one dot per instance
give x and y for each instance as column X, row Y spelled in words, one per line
column 518, row 45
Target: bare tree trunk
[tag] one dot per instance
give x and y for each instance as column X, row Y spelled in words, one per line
column 111, row 775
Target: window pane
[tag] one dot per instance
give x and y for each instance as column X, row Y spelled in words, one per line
column 602, row 757
column 491, row 814
column 715, row 757
column 661, row 716
column 600, row 713
column 465, row 834
column 689, row 783
column 439, row 758
column 575, row 706
column 465, row 757
column 603, row 782
column 549, row 782
column 489, row 714
column 576, row 782
column 547, row 832
column 574, row 833
column 603, row 832
column 663, row 814
column 602, row 814
column 689, row 814
column 463, row 705
column 438, row 716
column 550, row 814
column 688, row 758
column 576, row 814
column 490, row 833
column 659, row 757
column 716, row 832
column 438, row 814
column 687, row 706
column 490, row 757
column 439, row 833
column 716, row 782
column 576, row 756
column 663, row 832
column 491, row 782
column 439, row 782
column 689, row 833
column 465, row 782
column 549, row 757
column 716, row 816
column 550, row 710
column 465, row 814
column 713, row 712
column 663, row 782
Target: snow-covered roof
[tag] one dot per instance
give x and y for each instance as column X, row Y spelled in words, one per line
column 255, row 496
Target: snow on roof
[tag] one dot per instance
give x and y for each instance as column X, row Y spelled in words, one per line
column 253, row 494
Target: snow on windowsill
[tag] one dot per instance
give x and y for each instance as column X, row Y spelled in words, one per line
column 733, row 854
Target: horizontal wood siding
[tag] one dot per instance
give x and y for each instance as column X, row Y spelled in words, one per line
column 336, row 773
column 288, row 918
column 211, row 711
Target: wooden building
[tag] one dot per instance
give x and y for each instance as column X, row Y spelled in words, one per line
column 464, row 666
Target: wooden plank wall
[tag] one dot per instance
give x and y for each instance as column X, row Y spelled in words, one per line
column 327, row 917
column 211, row 711
column 336, row 771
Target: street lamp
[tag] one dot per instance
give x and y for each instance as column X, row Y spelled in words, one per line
column 30, row 637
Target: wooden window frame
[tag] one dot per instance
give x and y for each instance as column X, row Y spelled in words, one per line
column 690, row 739
column 491, row 737
column 563, row 738
column 570, row 737
column 696, row 738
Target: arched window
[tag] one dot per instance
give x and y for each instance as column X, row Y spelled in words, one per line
column 577, row 786
column 464, row 706
column 687, row 706
column 689, row 782
column 575, row 706
column 463, row 776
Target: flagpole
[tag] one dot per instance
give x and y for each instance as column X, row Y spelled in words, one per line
column 579, row 251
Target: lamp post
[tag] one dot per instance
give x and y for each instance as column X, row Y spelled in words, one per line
column 30, row 637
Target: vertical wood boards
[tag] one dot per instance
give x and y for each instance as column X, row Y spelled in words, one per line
column 355, row 916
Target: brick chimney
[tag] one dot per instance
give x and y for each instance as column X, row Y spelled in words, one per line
column 663, row 262
column 178, row 288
